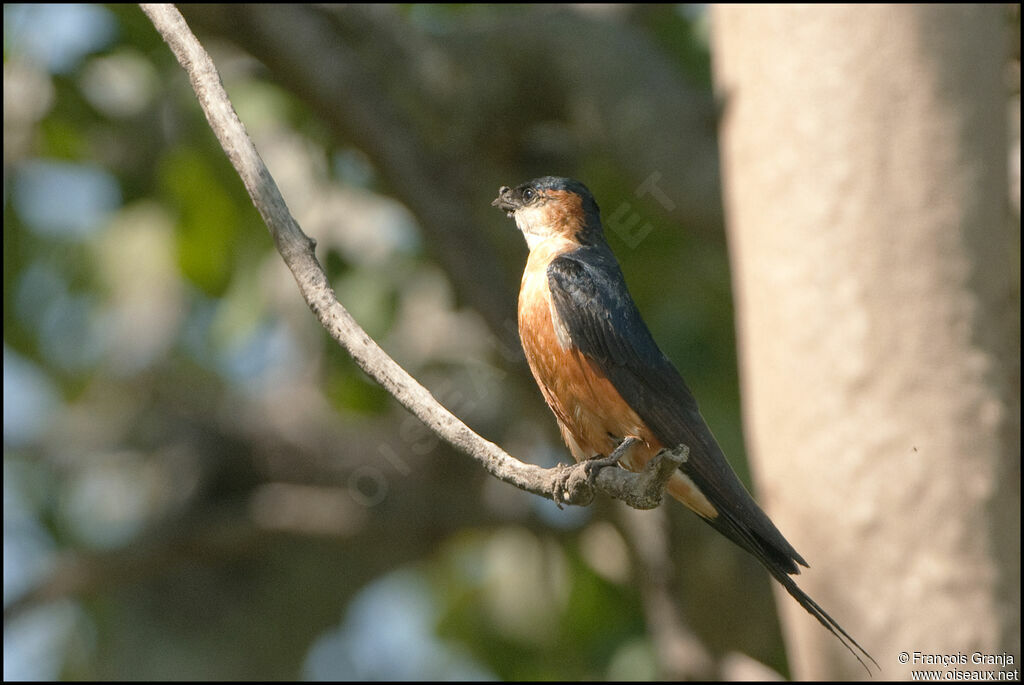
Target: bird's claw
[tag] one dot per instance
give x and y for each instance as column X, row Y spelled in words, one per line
column 575, row 483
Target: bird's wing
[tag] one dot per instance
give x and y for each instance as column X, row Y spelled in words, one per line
column 594, row 306
column 596, row 310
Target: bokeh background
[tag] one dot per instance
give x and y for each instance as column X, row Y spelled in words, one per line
column 198, row 483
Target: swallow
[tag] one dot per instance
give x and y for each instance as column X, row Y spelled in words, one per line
column 605, row 379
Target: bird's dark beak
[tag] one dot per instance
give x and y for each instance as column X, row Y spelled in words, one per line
column 505, row 201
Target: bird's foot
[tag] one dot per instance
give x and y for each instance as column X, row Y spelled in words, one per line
column 575, row 484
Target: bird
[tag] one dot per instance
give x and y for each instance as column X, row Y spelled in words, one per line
column 606, row 380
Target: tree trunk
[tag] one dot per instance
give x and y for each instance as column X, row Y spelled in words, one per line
column 877, row 287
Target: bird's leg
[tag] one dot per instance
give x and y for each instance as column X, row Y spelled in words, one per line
column 568, row 483
column 592, row 466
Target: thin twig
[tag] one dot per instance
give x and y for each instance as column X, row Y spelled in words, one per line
column 641, row 490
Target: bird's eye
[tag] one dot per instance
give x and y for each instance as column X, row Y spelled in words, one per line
column 528, row 194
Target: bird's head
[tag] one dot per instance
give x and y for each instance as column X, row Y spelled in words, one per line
column 551, row 206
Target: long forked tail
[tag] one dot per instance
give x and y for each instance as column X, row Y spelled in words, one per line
column 815, row 610
column 752, row 530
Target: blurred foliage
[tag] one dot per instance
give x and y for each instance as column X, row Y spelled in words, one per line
column 199, row 484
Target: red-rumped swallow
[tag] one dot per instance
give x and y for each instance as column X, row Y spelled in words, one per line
column 606, row 380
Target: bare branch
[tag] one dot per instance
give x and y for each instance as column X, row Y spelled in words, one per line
column 643, row 490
